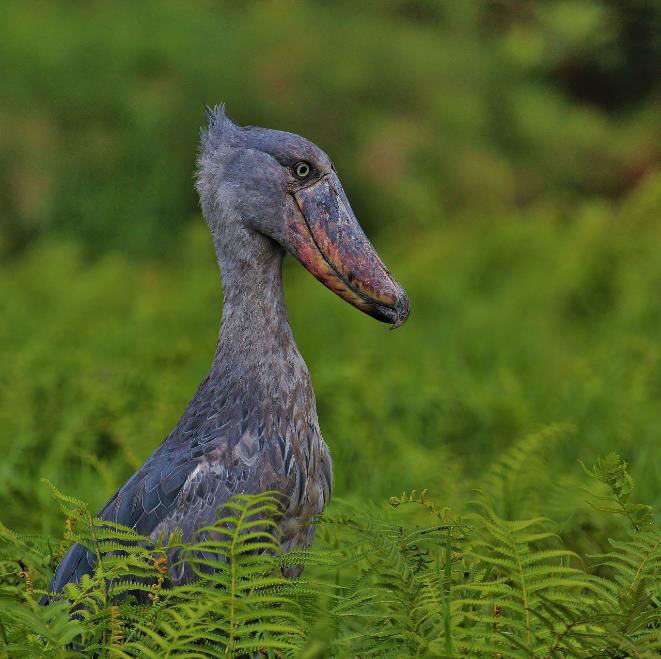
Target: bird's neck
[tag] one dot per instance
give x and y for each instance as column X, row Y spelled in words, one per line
column 256, row 346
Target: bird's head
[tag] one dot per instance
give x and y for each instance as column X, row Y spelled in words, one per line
column 282, row 186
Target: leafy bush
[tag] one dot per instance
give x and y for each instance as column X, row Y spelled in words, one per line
column 428, row 108
column 429, row 582
column 520, row 323
column 503, row 156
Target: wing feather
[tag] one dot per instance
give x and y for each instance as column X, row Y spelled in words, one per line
column 185, row 499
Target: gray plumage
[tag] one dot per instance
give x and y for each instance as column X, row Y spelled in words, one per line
column 252, row 424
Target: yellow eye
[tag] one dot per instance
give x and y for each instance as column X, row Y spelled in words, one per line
column 302, row 169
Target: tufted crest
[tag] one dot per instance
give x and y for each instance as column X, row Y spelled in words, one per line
column 220, row 130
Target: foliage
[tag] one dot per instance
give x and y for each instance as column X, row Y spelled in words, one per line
column 419, row 581
column 100, row 358
column 612, row 472
column 521, row 221
column 504, row 158
column 426, row 107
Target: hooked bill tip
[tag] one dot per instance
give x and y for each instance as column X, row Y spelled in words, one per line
column 402, row 308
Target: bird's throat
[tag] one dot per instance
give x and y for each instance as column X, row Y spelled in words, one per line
column 256, row 342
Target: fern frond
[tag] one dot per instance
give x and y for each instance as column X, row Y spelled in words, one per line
column 416, row 581
column 512, row 482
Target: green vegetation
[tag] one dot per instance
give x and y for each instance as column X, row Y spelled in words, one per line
column 427, row 107
column 518, row 323
column 431, row 584
column 504, row 157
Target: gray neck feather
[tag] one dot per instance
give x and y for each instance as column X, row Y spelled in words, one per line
column 256, row 346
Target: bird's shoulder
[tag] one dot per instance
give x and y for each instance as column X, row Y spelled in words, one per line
column 206, row 459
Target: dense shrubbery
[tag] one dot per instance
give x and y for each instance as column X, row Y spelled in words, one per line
column 518, row 322
column 504, row 158
column 432, row 584
column 425, row 106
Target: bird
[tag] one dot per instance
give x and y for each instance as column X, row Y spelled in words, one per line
column 252, row 424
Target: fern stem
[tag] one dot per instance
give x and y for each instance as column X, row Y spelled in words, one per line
column 643, row 563
column 101, row 569
column 524, row 592
column 233, row 593
column 447, row 618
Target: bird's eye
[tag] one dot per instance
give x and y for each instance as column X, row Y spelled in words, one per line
column 302, row 170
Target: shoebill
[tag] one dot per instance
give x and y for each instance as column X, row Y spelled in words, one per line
column 252, row 424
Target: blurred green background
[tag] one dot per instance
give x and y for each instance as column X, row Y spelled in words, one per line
column 503, row 156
